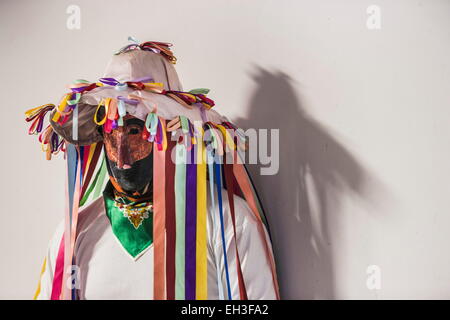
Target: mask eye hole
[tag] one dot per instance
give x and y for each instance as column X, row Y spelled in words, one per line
column 132, row 130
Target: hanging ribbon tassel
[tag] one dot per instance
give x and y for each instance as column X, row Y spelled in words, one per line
column 180, row 219
column 241, row 176
column 73, row 176
column 75, row 123
column 121, row 109
column 224, row 246
column 58, row 273
column 159, row 292
column 170, row 222
column 96, row 184
column 214, row 153
column 92, row 159
column 201, row 250
column 101, row 180
column 38, row 115
column 228, row 147
column 228, row 170
column 86, row 159
column 75, row 208
column 191, row 222
column 217, row 156
column 210, row 161
column 38, row 289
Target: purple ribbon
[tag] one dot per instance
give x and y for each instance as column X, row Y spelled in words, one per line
column 191, row 227
column 56, row 144
column 80, row 89
column 40, row 124
column 114, row 82
column 159, row 133
column 133, row 102
column 109, row 81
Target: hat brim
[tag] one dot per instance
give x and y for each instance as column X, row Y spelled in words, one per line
column 89, row 132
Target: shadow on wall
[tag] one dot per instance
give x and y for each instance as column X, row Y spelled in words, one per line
column 299, row 217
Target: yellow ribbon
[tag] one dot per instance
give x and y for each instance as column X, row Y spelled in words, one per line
column 201, row 250
column 38, row 290
column 61, row 107
column 226, row 135
column 32, row 112
column 105, row 103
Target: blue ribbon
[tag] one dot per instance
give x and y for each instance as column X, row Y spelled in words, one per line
column 219, row 196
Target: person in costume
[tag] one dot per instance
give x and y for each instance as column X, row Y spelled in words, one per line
column 158, row 204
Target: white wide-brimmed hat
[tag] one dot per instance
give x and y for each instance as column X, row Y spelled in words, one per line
column 138, row 81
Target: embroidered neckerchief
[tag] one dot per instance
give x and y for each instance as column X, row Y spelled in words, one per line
column 131, row 222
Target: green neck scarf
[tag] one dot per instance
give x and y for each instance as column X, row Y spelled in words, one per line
column 131, row 222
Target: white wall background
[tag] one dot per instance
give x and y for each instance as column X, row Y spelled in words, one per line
column 365, row 177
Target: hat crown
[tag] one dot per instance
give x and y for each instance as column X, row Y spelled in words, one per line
column 137, row 64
